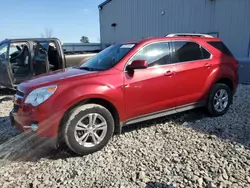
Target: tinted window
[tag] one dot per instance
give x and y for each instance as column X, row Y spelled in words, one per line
column 205, row 53
column 154, row 54
column 221, row 46
column 186, row 51
column 107, row 58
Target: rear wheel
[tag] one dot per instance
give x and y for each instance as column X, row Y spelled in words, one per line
column 220, row 99
column 88, row 129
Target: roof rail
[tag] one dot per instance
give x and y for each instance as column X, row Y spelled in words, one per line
column 189, row 35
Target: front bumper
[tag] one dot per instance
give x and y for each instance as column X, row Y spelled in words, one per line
column 34, row 140
column 34, row 137
column 47, row 127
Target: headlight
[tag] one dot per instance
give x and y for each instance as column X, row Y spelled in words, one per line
column 40, row 95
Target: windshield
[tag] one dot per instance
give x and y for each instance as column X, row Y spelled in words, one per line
column 3, row 51
column 107, row 58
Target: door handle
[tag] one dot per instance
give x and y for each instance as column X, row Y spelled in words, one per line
column 207, row 65
column 169, row 73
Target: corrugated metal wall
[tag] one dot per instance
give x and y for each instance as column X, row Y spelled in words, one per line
column 138, row 19
column 244, row 70
column 74, row 47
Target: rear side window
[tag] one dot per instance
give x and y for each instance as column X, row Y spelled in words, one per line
column 205, row 53
column 221, row 46
column 184, row 51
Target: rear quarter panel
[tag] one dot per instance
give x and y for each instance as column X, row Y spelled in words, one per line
column 223, row 67
column 219, row 71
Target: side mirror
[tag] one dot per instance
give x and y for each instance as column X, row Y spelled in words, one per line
column 138, row 64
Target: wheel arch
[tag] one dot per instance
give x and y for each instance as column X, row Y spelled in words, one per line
column 220, row 75
column 227, row 81
column 103, row 102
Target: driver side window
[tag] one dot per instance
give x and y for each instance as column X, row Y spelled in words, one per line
column 19, row 57
column 19, row 54
column 155, row 54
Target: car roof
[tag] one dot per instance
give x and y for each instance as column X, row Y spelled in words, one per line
column 155, row 39
column 181, row 38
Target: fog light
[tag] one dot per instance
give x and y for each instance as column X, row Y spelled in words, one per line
column 34, row 127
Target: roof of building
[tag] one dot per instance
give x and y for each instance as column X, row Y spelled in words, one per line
column 104, row 3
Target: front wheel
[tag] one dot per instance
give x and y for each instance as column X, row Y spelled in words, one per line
column 219, row 100
column 88, row 129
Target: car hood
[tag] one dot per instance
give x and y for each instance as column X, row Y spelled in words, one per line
column 55, row 77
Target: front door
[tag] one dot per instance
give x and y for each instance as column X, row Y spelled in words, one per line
column 40, row 61
column 153, row 89
column 193, row 66
column 5, row 68
column 20, row 61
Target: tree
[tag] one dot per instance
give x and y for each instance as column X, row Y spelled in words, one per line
column 48, row 33
column 84, row 39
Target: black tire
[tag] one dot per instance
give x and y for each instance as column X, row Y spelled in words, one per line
column 74, row 116
column 210, row 103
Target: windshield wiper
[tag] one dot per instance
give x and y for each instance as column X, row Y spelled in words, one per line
column 87, row 68
column 91, row 69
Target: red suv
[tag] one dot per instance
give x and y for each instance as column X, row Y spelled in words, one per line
column 125, row 84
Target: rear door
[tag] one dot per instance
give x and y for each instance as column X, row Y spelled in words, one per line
column 193, row 66
column 40, row 61
column 5, row 68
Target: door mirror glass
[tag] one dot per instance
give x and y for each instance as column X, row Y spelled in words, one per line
column 138, row 64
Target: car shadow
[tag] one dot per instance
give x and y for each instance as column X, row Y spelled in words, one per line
column 198, row 119
column 190, row 116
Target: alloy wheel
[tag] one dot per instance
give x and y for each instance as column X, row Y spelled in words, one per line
column 220, row 100
column 90, row 130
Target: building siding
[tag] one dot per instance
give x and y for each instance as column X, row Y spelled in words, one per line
column 244, row 70
column 137, row 19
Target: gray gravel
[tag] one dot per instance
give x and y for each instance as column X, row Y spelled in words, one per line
column 184, row 150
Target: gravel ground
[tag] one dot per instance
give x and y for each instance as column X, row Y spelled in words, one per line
column 184, row 150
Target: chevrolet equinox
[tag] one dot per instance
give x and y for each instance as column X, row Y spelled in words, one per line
column 124, row 84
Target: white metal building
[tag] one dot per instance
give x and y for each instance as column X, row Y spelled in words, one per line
column 125, row 20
